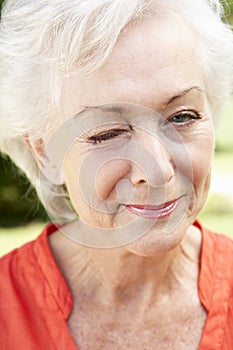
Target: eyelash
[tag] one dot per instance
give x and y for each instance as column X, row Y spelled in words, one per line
column 105, row 136
column 112, row 134
column 191, row 115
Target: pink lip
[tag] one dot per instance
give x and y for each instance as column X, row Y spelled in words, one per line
column 153, row 211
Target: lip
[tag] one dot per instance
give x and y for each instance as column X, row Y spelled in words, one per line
column 153, row 211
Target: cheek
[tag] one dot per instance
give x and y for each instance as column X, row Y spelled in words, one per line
column 70, row 175
column 109, row 176
column 202, row 157
column 201, row 173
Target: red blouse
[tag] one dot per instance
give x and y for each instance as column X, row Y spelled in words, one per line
column 35, row 300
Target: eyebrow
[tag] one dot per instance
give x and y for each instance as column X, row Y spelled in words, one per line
column 118, row 108
column 182, row 94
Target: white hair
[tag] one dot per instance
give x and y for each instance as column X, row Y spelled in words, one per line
column 42, row 41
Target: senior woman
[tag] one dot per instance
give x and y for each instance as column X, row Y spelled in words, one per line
column 109, row 107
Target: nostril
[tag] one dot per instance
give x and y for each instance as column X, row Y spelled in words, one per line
column 156, row 174
column 141, row 181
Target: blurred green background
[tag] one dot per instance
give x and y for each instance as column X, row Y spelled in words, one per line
column 22, row 216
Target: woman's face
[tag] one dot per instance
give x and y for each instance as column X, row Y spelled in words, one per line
column 148, row 163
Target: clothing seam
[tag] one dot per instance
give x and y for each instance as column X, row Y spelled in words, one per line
column 61, row 313
column 45, row 278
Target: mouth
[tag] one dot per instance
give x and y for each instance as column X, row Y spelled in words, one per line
column 153, row 211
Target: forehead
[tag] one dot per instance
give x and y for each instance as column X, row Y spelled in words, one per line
column 152, row 59
column 152, row 44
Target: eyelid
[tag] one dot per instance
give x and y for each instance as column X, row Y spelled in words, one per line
column 195, row 115
column 118, row 131
column 185, row 111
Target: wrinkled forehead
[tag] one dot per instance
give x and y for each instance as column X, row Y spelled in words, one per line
column 153, row 58
column 150, row 49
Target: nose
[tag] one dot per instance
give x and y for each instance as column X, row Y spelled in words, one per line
column 154, row 165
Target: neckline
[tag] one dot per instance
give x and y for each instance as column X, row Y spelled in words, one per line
column 60, row 287
column 208, row 268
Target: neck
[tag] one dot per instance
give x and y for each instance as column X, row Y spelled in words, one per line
column 118, row 275
column 124, row 275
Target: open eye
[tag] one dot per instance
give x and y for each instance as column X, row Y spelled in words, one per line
column 105, row 136
column 184, row 118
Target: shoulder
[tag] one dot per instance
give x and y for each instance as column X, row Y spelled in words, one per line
column 34, row 298
column 23, row 269
column 216, row 266
column 215, row 242
column 216, row 288
column 29, row 275
column 216, row 260
column 18, row 266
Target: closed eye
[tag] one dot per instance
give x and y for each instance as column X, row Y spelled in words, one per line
column 105, row 136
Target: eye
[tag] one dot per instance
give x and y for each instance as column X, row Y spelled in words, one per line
column 105, row 136
column 184, row 118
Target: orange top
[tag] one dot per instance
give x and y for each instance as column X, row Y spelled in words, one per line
column 35, row 300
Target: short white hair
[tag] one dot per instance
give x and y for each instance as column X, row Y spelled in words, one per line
column 43, row 41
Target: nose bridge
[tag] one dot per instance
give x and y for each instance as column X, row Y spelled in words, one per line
column 156, row 166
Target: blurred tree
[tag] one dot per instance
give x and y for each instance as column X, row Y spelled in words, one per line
column 1, row 2
column 228, row 7
column 18, row 200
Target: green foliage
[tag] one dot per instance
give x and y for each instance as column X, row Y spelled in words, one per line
column 1, row 2
column 228, row 7
column 18, row 200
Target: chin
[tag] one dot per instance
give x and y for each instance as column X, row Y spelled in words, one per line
column 157, row 242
